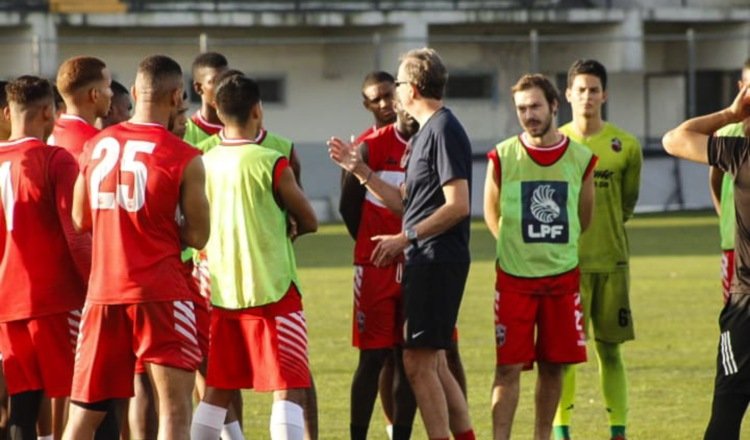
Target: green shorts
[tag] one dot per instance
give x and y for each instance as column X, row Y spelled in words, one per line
column 606, row 303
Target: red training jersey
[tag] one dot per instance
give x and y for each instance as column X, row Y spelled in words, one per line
column 71, row 132
column 385, row 147
column 133, row 174
column 38, row 275
column 358, row 140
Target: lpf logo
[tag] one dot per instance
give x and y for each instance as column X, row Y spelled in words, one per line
column 545, row 214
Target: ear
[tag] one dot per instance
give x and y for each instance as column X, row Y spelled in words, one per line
column 568, row 93
column 257, row 111
column 6, row 113
column 198, row 88
column 94, row 94
column 177, row 97
column 605, row 96
column 133, row 93
column 553, row 107
column 48, row 111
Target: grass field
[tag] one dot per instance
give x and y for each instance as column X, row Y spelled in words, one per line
column 675, row 299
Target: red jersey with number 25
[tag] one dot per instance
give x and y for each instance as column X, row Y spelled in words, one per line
column 38, row 275
column 384, row 150
column 133, row 173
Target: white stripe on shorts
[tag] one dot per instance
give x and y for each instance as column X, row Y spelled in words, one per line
column 727, row 355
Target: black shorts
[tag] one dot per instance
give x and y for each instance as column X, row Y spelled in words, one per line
column 733, row 357
column 432, row 296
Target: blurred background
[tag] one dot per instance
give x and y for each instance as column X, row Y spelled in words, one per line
column 667, row 60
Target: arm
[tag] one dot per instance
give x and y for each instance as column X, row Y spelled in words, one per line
column 491, row 197
column 65, row 176
column 293, row 200
column 296, row 166
column 81, row 210
column 715, row 178
column 631, row 183
column 345, row 155
column 455, row 209
column 586, row 202
column 194, row 205
column 352, row 195
column 689, row 140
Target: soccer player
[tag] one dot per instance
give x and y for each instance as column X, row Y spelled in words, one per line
column 84, row 83
column 376, row 320
column 141, row 192
column 120, row 107
column 42, row 269
column 258, row 331
column 206, row 69
column 377, row 98
column 722, row 195
column 435, row 237
column 4, row 120
column 693, row 140
column 603, row 249
column 538, row 197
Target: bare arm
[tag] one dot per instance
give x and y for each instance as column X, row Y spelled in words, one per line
column 715, row 178
column 194, row 205
column 689, row 140
column 64, row 172
column 586, row 202
column 296, row 166
column 81, row 209
column 455, row 209
column 294, row 201
column 491, row 197
column 345, row 155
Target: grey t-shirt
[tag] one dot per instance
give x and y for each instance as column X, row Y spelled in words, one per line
column 731, row 155
column 439, row 153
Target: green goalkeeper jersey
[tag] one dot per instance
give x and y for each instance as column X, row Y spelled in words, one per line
column 604, row 245
column 727, row 220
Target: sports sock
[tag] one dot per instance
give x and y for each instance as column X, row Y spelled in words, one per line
column 617, row 432
column 564, row 412
column 614, row 382
column 24, row 408
column 357, row 432
column 468, row 435
column 561, row 432
column 389, row 431
column 287, row 421
column 207, row 422
column 45, row 437
column 401, row 432
column 232, row 431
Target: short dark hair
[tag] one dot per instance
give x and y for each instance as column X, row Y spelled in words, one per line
column 28, row 90
column 158, row 72
column 79, row 72
column 426, row 71
column 214, row 60
column 229, row 73
column 537, row 80
column 236, row 96
column 3, row 95
column 377, row 77
column 118, row 89
column 588, row 67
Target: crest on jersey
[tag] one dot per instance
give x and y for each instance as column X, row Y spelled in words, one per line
column 544, row 211
column 616, row 145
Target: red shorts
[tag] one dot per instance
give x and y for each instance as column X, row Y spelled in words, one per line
column 113, row 336
column 38, row 353
column 377, row 319
column 558, row 318
column 264, row 347
column 727, row 273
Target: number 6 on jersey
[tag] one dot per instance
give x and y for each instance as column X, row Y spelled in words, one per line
column 108, row 150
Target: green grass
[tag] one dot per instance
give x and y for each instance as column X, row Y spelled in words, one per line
column 675, row 298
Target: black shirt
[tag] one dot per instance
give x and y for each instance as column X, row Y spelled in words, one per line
column 439, row 153
column 731, row 154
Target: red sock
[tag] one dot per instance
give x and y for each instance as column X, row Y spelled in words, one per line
column 468, row 435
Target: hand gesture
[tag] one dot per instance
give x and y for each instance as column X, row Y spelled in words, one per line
column 344, row 154
column 388, row 248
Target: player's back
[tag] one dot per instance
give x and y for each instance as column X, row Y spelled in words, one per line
column 71, row 132
column 133, row 174
column 37, row 273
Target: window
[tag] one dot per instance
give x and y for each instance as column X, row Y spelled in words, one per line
column 272, row 90
column 470, row 86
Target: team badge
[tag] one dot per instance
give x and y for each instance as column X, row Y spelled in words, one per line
column 500, row 335
column 545, row 215
column 616, row 145
column 360, row 321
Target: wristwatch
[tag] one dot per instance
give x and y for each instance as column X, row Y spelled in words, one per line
column 411, row 235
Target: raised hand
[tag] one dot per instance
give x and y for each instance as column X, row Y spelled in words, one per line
column 344, row 154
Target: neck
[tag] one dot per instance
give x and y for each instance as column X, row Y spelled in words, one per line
column 588, row 126
column 23, row 129
column 249, row 131
column 548, row 139
column 87, row 114
column 404, row 130
column 424, row 108
column 209, row 113
column 151, row 113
